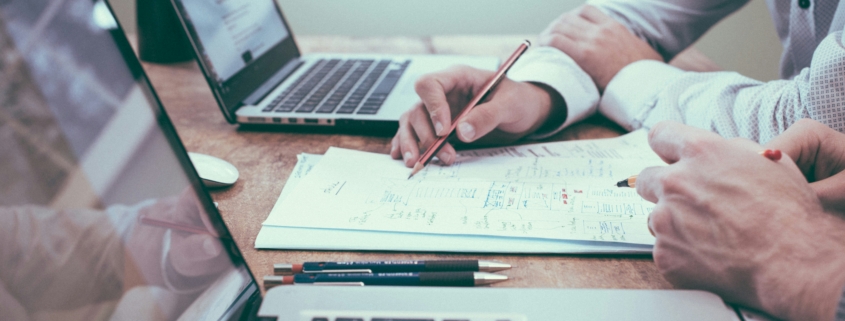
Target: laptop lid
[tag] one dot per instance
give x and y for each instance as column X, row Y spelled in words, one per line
column 102, row 216
column 242, row 46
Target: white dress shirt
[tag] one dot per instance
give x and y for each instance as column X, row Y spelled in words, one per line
column 646, row 92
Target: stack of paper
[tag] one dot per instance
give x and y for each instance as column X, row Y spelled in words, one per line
column 542, row 198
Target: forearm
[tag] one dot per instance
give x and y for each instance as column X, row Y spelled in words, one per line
column 821, row 287
column 727, row 103
column 51, row 246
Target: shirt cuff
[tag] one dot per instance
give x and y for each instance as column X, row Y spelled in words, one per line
column 553, row 68
column 632, row 93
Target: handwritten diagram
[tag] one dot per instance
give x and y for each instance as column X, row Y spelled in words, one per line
column 568, row 193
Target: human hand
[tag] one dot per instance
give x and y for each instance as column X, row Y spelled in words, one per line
column 191, row 257
column 513, row 110
column 819, row 151
column 598, row 43
column 742, row 226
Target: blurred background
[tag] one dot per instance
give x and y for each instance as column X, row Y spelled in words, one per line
column 745, row 42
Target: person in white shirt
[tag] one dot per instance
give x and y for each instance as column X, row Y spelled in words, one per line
column 754, row 231
column 619, row 48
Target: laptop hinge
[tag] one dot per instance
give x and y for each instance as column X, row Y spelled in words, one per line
column 272, row 82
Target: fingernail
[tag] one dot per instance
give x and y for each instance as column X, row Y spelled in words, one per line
column 438, row 128
column 407, row 156
column 392, row 148
column 467, row 131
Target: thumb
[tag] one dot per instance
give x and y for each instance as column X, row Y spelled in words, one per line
column 481, row 120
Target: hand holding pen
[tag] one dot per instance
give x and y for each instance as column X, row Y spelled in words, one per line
column 514, row 110
column 485, row 91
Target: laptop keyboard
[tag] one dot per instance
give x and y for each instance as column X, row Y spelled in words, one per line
column 338, row 86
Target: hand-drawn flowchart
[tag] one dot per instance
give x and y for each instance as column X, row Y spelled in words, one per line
column 515, row 194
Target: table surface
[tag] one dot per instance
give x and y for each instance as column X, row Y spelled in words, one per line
column 266, row 159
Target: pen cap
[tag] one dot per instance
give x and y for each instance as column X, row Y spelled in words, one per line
column 272, row 280
column 276, row 280
column 286, row 269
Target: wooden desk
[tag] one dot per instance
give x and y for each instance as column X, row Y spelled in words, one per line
column 266, row 159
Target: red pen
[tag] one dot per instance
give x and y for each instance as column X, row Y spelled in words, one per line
column 426, row 157
column 773, row 154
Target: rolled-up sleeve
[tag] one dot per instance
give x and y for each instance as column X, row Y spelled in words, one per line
column 647, row 92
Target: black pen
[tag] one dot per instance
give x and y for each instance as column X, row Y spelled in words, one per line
column 397, row 279
column 390, row 266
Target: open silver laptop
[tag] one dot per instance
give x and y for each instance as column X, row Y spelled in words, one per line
column 254, row 67
column 102, row 216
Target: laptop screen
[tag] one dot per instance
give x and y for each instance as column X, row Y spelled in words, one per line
column 237, row 31
column 240, row 44
column 101, row 215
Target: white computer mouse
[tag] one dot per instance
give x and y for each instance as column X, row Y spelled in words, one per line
column 214, row 172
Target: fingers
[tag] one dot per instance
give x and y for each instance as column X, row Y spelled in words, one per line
column 407, row 140
column 481, row 121
column 422, row 127
column 573, row 26
column 415, row 132
column 830, row 194
column 594, row 15
column 436, row 89
column 649, row 183
column 432, row 90
column 672, row 141
column 565, row 32
column 395, row 152
column 660, row 220
column 801, row 142
column 447, row 154
column 818, row 150
column 515, row 108
column 426, row 137
column 559, row 41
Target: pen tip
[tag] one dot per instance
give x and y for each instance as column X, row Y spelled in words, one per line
column 417, row 168
column 492, row 266
column 484, row 278
column 622, row 183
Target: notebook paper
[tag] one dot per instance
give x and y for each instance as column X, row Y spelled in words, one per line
column 298, row 238
column 568, row 193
